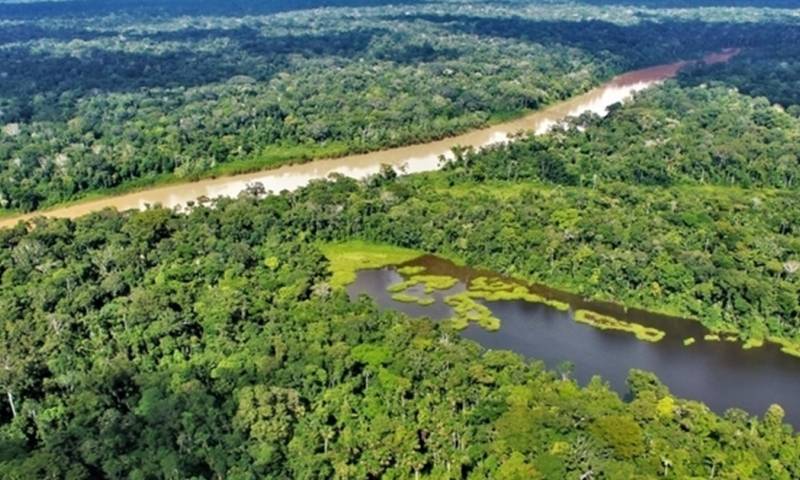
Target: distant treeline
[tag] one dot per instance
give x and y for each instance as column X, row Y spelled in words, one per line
column 88, row 8
column 697, row 3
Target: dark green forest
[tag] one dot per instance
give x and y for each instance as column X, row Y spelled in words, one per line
column 158, row 344
column 211, row 343
column 771, row 72
column 111, row 97
column 668, row 136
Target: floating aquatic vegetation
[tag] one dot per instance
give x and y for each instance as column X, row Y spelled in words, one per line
column 604, row 322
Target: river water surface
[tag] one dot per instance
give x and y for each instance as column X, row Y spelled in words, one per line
column 414, row 158
column 721, row 374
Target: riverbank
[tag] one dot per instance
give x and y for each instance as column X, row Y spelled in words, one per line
column 297, row 168
column 270, row 159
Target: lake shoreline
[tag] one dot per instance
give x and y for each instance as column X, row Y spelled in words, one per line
column 710, row 368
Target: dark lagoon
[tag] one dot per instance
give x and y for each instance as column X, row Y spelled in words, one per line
column 721, row 374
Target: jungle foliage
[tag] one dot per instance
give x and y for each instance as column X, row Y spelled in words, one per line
column 117, row 95
column 218, row 342
column 211, row 344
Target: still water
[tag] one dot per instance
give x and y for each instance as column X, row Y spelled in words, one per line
column 719, row 373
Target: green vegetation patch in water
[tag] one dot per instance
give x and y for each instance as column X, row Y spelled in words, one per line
column 430, row 282
column 490, row 284
column 753, row 343
column 787, row 346
column 604, row 322
column 467, row 310
column 793, row 350
column 495, row 289
column 349, row 257
column 410, row 270
column 688, row 341
column 407, row 298
column 436, row 282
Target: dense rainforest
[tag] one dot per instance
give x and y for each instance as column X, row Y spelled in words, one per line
column 683, row 201
column 771, row 71
column 213, row 343
column 103, row 98
column 667, row 136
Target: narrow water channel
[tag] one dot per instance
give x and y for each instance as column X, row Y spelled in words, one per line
column 414, row 158
column 721, row 374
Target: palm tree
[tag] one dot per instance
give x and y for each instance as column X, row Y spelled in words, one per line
column 714, row 460
column 666, row 463
column 6, row 369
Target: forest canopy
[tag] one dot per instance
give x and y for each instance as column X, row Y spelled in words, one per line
column 113, row 96
column 216, row 342
column 211, row 344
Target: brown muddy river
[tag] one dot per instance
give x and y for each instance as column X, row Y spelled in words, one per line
column 721, row 373
column 414, row 158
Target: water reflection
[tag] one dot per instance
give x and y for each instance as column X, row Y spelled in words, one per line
column 719, row 373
